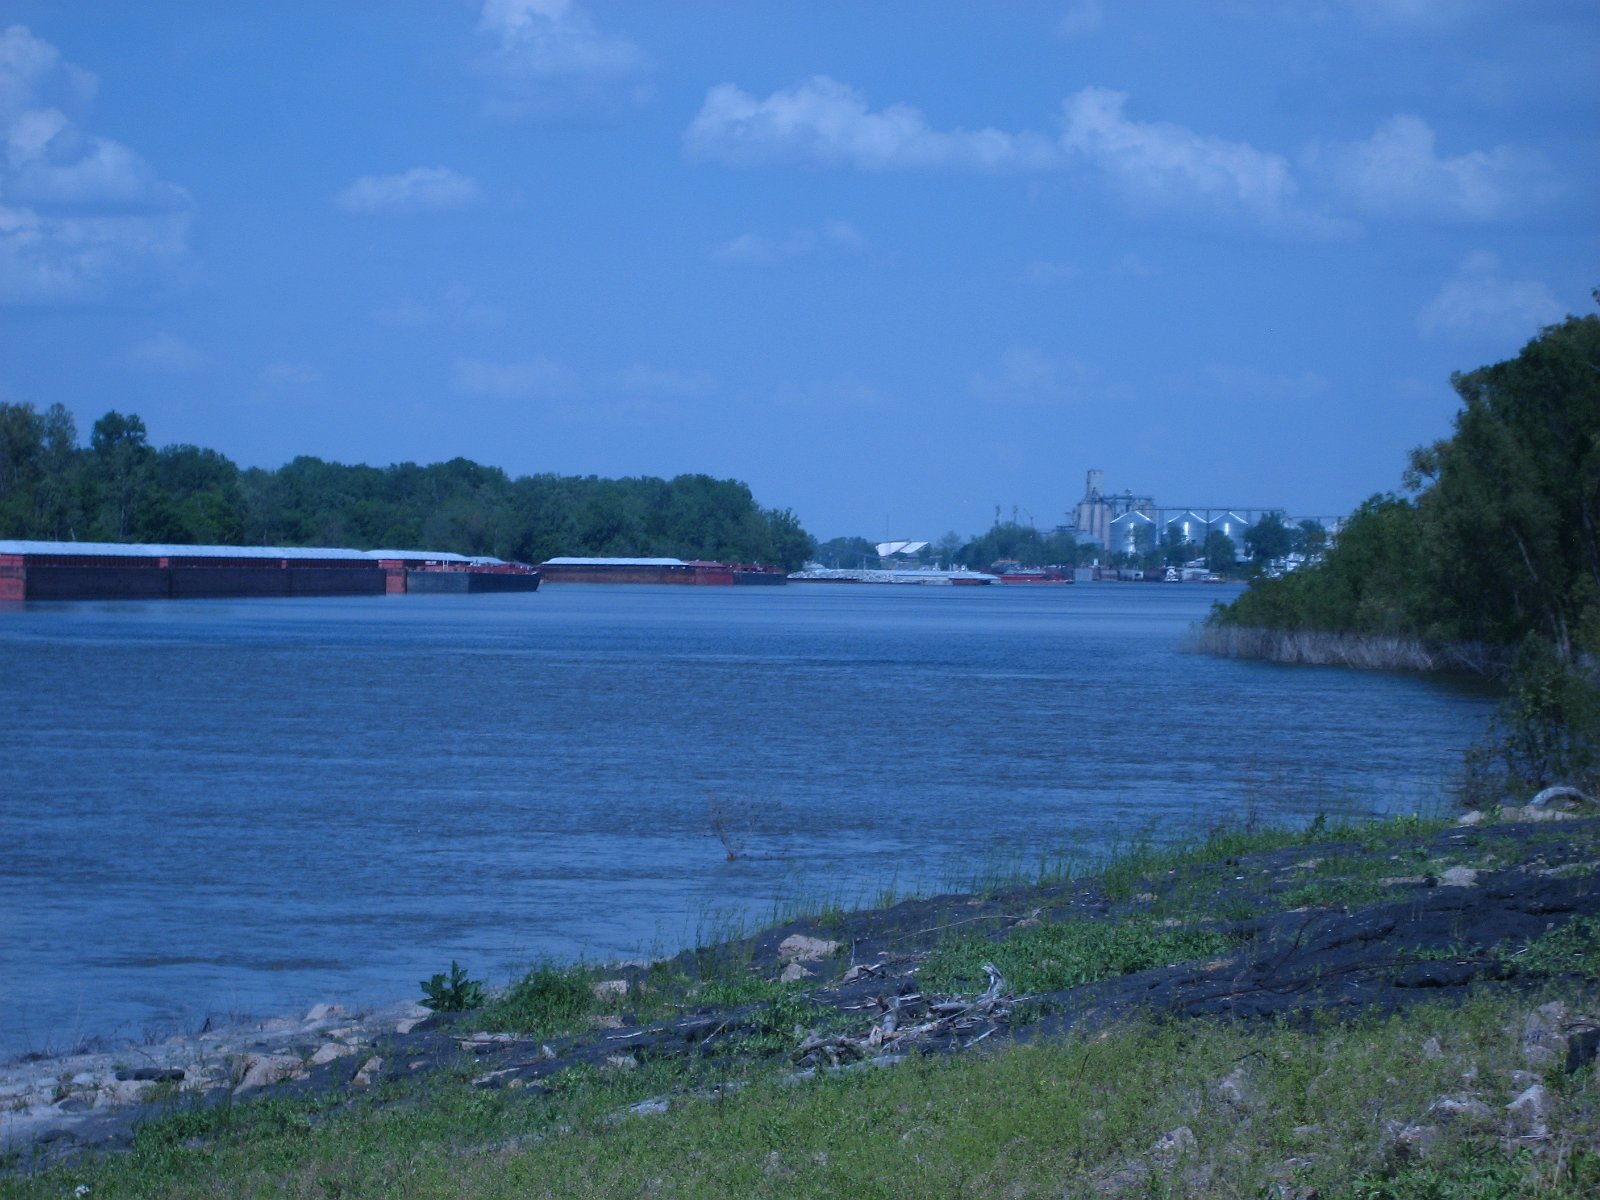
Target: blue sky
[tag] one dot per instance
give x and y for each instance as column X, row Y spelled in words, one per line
column 895, row 265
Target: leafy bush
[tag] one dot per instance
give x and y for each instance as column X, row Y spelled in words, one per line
column 1546, row 730
column 546, row 1000
column 452, row 993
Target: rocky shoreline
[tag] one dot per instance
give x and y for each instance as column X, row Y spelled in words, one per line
column 1327, row 927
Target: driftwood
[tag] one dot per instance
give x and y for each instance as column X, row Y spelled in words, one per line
column 940, row 1018
column 1560, row 792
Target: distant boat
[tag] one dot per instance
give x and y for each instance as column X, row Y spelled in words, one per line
column 1015, row 572
column 926, row 576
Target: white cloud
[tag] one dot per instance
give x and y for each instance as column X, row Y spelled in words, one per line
column 1479, row 301
column 167, row 352
column 1082, row 17
column 84, row 216
column 1399, row 172
column 823, row 122
column 290, row 374
column 1171, row 165
column 548, row 58
column 1044, row 272
column 1132, row 266
column 1023, row 373
column 536, row 378
column 754, row 250
column 457, row 308
column 419, row 190
column 663, row 381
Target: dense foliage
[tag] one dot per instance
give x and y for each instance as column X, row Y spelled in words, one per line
column 121, row 489
column 1501, row 538
column 1011, row 541
column 1497, row 547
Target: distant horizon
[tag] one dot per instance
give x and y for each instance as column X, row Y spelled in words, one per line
column 891, row 267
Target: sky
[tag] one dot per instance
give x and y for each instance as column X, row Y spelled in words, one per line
column 900, row 266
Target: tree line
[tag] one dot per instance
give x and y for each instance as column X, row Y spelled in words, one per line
column 1494, row 543
column 119, row 488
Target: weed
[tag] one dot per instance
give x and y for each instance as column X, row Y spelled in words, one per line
column 547, row 1000
column 1484, row 1173
column 1047, row 958
column 452, row 993
column 1573, row 949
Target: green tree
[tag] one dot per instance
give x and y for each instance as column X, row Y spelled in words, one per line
column 1310, row 538
column 1268, row 539
column 1511, row 501
column 22, row 453
column 120, row 457
column 1222, row 556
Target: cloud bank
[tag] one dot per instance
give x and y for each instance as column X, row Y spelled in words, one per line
column 1480, row 301
column 1398, row 172
column 82, row 217
column 547, row 58
column 419, row 190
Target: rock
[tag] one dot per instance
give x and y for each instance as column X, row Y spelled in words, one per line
column 862, row 970
column 408, row 1024
column 1235, row 1090
column 1475, row 817
column 621, row 1062
column 1582, row 1048
column 74, row 1104
column 653, row 1107
column 331, row 1051
column 151, row 1075
column 1461, row 1110
column 1531, row 1109
column 797, row 947
column 368, row 1072
column 1530, row 813
column 1459, row 877
column 608, row 989
column 1431, row 1049
column 321, row 1012
column 1173, row 1145
column 265, row 1070
column 793, row 973
column 1539, row 1056
column 1416, row 1141
column 128, row 1091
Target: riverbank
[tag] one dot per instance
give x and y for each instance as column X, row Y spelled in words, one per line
column 1279, row 946
column 1362, row 651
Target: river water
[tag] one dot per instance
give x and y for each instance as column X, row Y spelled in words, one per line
column 223, row 808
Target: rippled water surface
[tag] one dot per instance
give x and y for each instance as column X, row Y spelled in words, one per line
column 230, row 807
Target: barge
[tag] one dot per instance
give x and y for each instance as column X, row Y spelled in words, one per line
column 658, row 570
column 924, row 576
column 32, row 570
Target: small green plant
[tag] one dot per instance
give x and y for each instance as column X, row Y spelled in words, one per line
column 547, row 1000
column 1047, row 958
column 1574, row 949
column 453, row 992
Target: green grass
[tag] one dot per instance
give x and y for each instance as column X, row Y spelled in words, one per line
column 547, row 1000
column 1068, row 1118
column 1573, row 949
column 1048, row 958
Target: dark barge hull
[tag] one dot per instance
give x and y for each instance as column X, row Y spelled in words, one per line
column 459, row 583
column 690, row 574
column 168, row 576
